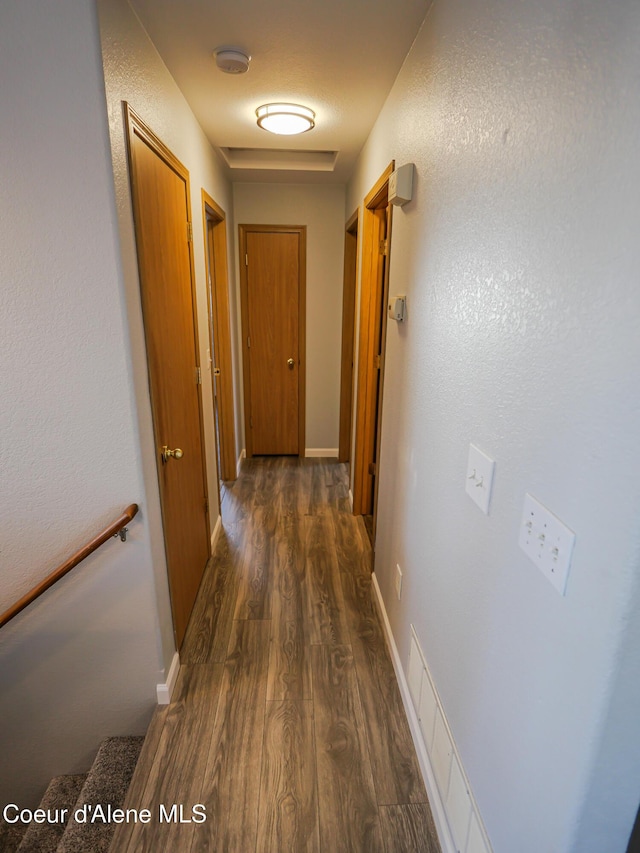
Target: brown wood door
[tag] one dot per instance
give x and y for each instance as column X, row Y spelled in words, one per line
column 161, row 206
column 273, row 303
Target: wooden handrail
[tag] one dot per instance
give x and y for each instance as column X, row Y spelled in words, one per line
column 73, row 561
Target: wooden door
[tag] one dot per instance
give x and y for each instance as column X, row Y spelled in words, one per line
column 160, row 187
column 273, row 323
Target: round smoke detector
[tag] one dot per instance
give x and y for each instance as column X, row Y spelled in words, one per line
column 231, row 60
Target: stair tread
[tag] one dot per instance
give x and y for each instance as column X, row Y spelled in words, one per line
column 11, row 834
column 106, row 784
column 62, row 793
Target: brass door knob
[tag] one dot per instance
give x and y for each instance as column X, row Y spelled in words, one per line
column 290, row 362
column 166, row 453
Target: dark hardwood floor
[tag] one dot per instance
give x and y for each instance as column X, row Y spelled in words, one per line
column 286, row 722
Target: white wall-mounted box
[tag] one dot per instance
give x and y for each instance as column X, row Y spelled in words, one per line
column 401, row 184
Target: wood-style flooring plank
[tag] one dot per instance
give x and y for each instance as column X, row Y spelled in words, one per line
column 353, row 548
column 348, row 811
column 238, row 495
column 337, row 483
column 393, row 759
column 340, row 473
column 289, row 662
column 319, row 497
column 409, row 829
column 289, row 495
column 178, row 766
column 288, row 815
column 253, row 600
column 395, row 767
column 324, row 607
column 325, row 485
column 232, row 777
column 209, row 628
column 268, row 482
column 140, row 776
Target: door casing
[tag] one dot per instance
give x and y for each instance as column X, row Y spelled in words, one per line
column 374, row 288
column 215, row 235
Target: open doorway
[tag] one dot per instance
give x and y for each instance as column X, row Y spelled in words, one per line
column 215, row 233
column 348, row 336
column 376, row 246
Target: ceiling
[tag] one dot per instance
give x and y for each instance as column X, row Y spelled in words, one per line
column 339, row 57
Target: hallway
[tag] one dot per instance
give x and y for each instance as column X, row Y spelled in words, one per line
column 286, row 721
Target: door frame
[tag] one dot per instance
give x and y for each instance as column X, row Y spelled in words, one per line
column 351, row 245
column 215, row 250
column 301, row 230
column 134, row 125
column 368, row 414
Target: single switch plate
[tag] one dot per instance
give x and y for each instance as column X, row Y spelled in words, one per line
column 480, row 470
column 547, row 542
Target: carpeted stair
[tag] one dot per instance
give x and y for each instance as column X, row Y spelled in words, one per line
column 10, row 836
column 106, row 784
column 62, row 793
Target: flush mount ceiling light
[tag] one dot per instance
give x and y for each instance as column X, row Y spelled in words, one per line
column 232, row 60
column 285, row 119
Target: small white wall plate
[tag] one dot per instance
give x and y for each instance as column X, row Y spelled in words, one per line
column 480, row 468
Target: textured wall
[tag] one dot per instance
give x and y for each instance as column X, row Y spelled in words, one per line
column 82, row 662
column 519, row 256
column 321, row 209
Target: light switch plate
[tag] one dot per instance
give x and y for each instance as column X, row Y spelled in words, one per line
column 480, row 468
column 547, row 542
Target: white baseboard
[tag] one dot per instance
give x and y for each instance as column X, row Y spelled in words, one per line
column 243, row 455
column 165, row 691
column 317, row 452
column 435, row 800
column 216, row 533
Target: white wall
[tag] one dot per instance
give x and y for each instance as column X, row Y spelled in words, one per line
column 519, row 256
column 82, row 662
column 321, row 209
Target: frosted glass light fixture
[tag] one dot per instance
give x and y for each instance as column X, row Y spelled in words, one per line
column 285, row 119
